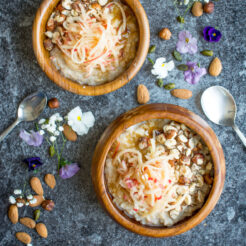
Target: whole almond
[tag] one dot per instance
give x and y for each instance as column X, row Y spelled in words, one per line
column 69, row 134
column 197, row 9
column 39, row 199
column 215, row 67
column 182, row 93
column 142, row 94
column 28, row 222
column 50, row 180
column 42, row 230
column 23, row 237
column 13, row 213
column 36, row 185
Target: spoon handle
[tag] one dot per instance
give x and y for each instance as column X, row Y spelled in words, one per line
column 9, row 129
column 240, row 134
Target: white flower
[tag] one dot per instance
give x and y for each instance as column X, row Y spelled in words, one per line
column 12, row 200
column 33, row 201
column 27, row 203
column 79, row 122
column 29, row 197
column 56, row 133
column 19, row 204
column 186, row 2
column 60, row 119
column 61, row 129
column 41, row 132
column 44, row 126
column 52, row 138
column 41, row 121
column 17, row 192
column 29, row 244
column 161, row 68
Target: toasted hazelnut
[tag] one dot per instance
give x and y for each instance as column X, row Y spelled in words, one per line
column 48, row 45
column 208, row 8
column 50, row 25
column 208, row 180
column 48, row 205
column 171, row 134
column 198, row 159
column 53, row 103
column 183, row 180
column 197, row 9
column 165, row 34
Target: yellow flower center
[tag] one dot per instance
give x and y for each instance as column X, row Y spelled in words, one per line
column 214, row 34
column 33, row 165
column 79, row 118
column 187, row 40
column 163, row 64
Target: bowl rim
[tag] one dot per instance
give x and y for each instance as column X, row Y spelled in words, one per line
column 140, row 114
column 42, row 54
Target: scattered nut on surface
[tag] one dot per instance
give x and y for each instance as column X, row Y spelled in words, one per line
column 38, row 198
column 48, row 205
column 53, row 103
column 182, row 93
column 13, row 213
column 208, row 7
column 142, row 94
column 23, row 237
column 69, row 133
column 165, row 34
column 28, row 222
column 42, row 230
column 215, row 67
column 197, row 9
column 50, row 180
column 36, row 185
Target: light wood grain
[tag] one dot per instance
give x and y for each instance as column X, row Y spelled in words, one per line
column 158, row 111
column 42, row 55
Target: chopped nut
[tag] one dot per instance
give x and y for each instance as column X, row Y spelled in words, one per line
column 48, row 45
column 171, row 134
column 200, row 197
column 96, row 6
column 170, row 143
column 167, row 128
column 187, row 200
column 165, row 34
column 175, row 153
column 209, row 166
column 185, row 160
column 50, row 25
column 143, row 142
column 76, row 7
column 198, row 159
column 208, row 179
column 182, row 138
column 183, row 180
column 174, row 214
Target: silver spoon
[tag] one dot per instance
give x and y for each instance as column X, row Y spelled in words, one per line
column 29, row 109
column 219, row 106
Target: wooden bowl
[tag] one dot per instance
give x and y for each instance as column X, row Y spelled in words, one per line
column 42, row 54
column 158, row 111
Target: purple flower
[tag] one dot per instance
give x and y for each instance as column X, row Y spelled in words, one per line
column 33, row 138
column 210, row 34
column 193, row 75
column 68, row 170
column 186, row 43
column 33, row 163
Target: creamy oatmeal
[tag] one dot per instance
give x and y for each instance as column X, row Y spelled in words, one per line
column 159, row 172
column 92, row 42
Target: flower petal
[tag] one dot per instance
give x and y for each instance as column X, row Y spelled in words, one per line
column 184, row 34
column 33, row 139
column 69, row 171
column 181, row 47
column 88, row 119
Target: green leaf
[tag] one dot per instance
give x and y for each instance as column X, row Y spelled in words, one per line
column 52, row 151
column 151, row 61
column 169, row 86
column 180, row 19
column 152, row 49
column 207, row 52
column 160, row 82
column 182, row 67
column 177, row 55
column 36, row 214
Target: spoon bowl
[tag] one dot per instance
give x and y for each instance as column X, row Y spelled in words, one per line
column 29, row 109
column 219, row 106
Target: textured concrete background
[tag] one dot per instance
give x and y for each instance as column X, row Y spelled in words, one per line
column 77, row 218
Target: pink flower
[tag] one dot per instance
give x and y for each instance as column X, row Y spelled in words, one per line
column 68, row 170
column 193, row 75
column 33, row 138
column 186, row 43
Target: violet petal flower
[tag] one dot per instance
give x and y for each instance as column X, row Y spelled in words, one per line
column 33, row 163
column 33, row 138
column 68, row 170
column 211, row 34
column 186, row 43
column 194, row 73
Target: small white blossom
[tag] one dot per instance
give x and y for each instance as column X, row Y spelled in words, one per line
column 29, row 244
column 19, row 204
column 61, row 129
column 186, row 2
column 27, row 203
column 12, row 200
column 41, row 132
column 59, row 119
column 44, row 126
column 29, row 197
column 79, row 122
column 41, row 121
column 33, row 201
column 52, row 138
column 56, row 133
column 17, row 192
column 161, row 68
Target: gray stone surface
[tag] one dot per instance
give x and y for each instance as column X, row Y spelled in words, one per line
column 78, row 218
